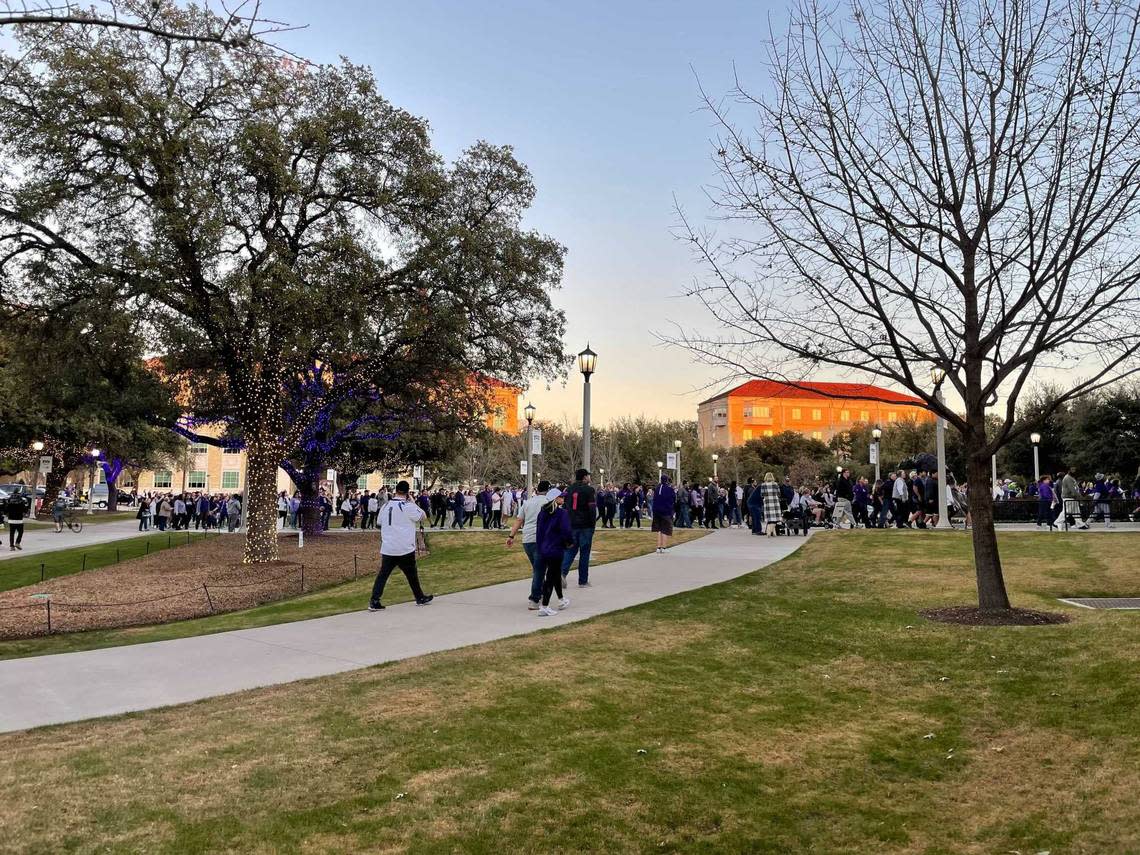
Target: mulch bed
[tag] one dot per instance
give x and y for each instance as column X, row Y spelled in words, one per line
column 973, row 616
column 172, row 585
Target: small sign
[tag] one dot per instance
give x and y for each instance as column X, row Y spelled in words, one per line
column 331, row 475
column 418, row 472
column 536, row 441
column 522, row 467
column 874, row 452
column 45, row 464
column 670, row 460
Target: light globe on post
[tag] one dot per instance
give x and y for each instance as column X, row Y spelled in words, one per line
column 91, row 482
column 876, row 435
column 1035, row 438
column 677, row 473
column 528, row 412
column 660, row 465
column 937, row 375
column 715, row 458
column 587, row 362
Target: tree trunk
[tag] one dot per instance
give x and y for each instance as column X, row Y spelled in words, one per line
column 987, row 562
column 262, row 459
column 112, row 496
column 309, row 487
column 53, row 484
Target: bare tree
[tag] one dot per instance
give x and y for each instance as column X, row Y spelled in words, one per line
column 935, row 189
column 233, row 24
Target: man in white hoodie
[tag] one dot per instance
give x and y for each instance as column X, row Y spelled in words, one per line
column 398, row 522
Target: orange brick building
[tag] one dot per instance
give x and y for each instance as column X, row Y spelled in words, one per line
column 502, row 406
column 762, row 408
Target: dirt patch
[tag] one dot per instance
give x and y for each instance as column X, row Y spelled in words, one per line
column 202, row 578
column 973, row 616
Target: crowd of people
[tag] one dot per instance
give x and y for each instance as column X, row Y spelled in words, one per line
column 183, row 511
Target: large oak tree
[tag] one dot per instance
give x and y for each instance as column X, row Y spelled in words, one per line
column 264, row 217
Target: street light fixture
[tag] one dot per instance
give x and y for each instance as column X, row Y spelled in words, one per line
column 37, row 447
column 937, row 376
column 715, row 458
column 1035, row 438
column 91, row 482
column 876, row 435
column 677, row 445
column 659, row 466
column 587, row 362
column 529, row 412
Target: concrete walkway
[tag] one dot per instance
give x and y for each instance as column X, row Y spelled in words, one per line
column 41, row 540
column 73, row 686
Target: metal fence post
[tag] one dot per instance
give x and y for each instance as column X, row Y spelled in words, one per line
column 209, row 599
column 41, row 571
column 302, row 578
column 84, row 562
column 49, row 616
column 354, row 565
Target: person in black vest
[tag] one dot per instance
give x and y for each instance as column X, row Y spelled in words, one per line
column 14, row 510
column 582, row 502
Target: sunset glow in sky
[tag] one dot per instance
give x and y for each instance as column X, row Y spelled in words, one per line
column 601, row 101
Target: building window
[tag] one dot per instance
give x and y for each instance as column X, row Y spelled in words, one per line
column 230, row 480
column 816, row 434
column 500, row 421
column 765, row 412
column 892, row 416
column 844, row 415
column 864, row 416
column 767, row 433
column 196, row 480
column 747, row 412
column 796, row 413
column 162, row 478
column 817, row 415
column 362, row 482
column 232, row 450
column 747, row 434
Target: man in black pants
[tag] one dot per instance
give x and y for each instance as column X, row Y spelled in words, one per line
column 14, row 510
column 398, row 523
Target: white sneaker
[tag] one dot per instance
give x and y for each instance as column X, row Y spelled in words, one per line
column 565, row 602
column 531, row 605
column 546, row 611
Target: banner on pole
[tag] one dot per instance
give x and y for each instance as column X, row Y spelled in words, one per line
column 874, row 452
column 45, row 464
column 418, row 472
column 536, row 441
column 522, row 467
column 331, row 475
column 670, row 460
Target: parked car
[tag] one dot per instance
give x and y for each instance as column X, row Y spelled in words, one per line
column 99, row 496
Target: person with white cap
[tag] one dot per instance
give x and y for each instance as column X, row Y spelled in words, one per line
column 552, row 535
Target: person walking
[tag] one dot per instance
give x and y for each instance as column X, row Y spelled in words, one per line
column 554, row 537
column 900, row 498
column 233, row 513
column 844, row 494
column 770, row 496
column 527, row 523
column 398, row 547
column 664, row 497
column 631, row 509
column 143, row 515
column 1071, row 501
column 1101, row 495
column 756, row 508
column 1045, row 501
column 14, row 510
column 583, row 512
column 59, row 510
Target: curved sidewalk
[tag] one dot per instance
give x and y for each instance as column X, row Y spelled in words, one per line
column 66, row 687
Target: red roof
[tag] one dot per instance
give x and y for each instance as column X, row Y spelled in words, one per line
column 777, row 389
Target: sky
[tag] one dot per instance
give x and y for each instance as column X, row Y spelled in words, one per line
column 601, row 101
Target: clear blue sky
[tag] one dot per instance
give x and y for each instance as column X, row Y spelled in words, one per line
column 599, row 99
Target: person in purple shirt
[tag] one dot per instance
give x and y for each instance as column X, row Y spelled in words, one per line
column 1045, row 498
column 664, row 498
column 552, row 536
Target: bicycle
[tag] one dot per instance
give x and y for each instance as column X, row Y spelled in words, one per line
column 73, row 520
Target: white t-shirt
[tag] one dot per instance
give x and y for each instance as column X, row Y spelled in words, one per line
column 398, row 527
column 373, row 505
column 529, row 515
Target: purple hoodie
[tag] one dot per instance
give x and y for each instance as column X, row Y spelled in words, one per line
column 664, row 498
column 1045, row 492
column 553, row 532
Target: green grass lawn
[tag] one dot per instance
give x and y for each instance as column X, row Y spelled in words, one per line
column 458, row 562
column 803, row 708
column 23, row 570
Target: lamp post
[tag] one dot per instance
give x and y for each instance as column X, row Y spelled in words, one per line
column 937, row 375
column 587, row 361
column 37, row 447
column 659, row 466
column 876, row 435
column 529, row 412
column 602, row 478
column 677, row 446
column 91, row 481
column 1035, row 438
column 715, row 458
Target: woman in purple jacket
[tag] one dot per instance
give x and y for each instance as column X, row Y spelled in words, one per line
column 1045, row 501
column 552, row 536
column 664, row 498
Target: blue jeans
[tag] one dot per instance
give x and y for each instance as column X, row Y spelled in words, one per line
column 686, row 521
column 583, row 539
column 531, row 550
column 757, row 514
column 736, row 518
